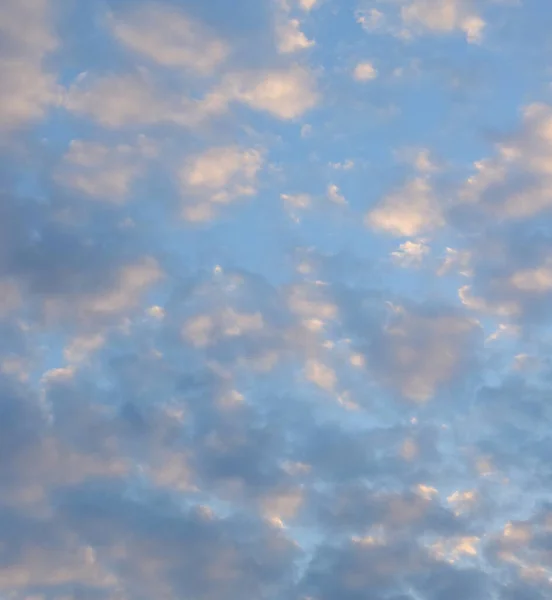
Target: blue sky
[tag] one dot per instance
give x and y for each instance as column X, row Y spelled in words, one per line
column 275, row 299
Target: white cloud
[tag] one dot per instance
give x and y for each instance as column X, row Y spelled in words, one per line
column 365, row 71
column 307, row 5
column 443, row 16
column 103, row 172
column 408, row 212
column 220, row 167
column 219, row 176
column 410, row 254
column 320, row 374
column 290, row 38
column 170, row 38
column 284, row 93
column 27, row 89
column 335, row 195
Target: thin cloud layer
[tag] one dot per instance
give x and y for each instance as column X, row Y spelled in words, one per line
column 275, row 304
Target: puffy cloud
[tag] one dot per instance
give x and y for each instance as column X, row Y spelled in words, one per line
column 365, row 71
column 284, row 93
column 444, row 16
column 410, row 254
column 167, row 36
column 410, row 211
column 335, row 195
column 415, row 17
column 219, row 176
column 320, row 375
column 291, row 38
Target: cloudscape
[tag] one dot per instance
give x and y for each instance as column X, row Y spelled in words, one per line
column 275, row 300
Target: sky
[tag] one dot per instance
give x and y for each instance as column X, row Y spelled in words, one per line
column 275, row 299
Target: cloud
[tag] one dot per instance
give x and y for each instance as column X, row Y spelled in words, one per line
column 444, row 16
column 102, row 172
column 412, row 210
column 283, row 93
column 291, row 38
column 28, row 87
column 116, row 101
column 320, row 375
column 365, row 71
column 410, row 254
column 307, row 5
column 219, row 176
column 335, row 195
column 417, row 17
column 170, row 38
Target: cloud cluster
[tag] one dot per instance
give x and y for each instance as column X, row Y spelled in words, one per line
column 201, row 397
